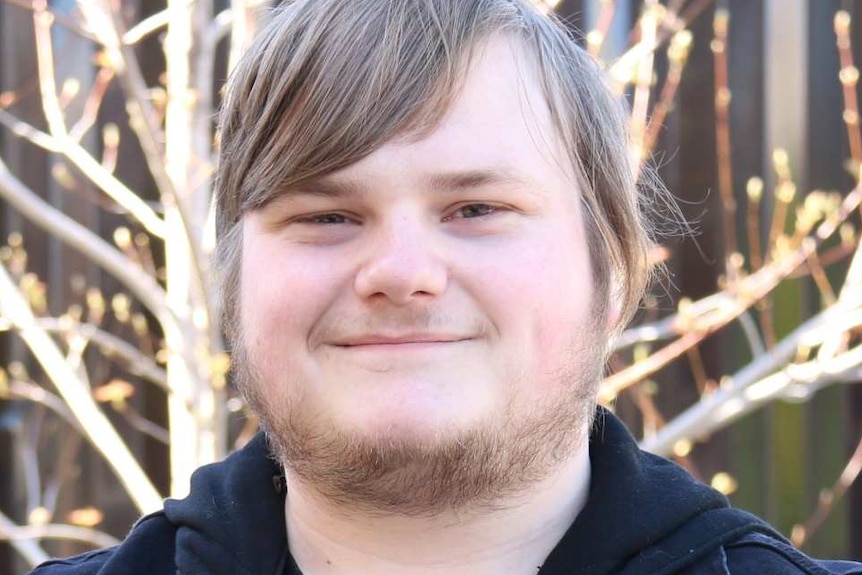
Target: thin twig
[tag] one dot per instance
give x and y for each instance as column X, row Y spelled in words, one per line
column 678, row 56
column 142, row 424
column 92, row 105
column 754, row 191
column 820, row 279
column 596, row 37
column 828, row 498
column 640, row 104
column 849, row 77
column 722, row 129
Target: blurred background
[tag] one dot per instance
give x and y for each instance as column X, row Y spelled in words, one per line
column 741, row 364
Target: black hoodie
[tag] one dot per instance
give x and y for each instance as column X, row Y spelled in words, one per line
column 644, row 516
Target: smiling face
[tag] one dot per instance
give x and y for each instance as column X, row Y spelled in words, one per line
column 418, row 330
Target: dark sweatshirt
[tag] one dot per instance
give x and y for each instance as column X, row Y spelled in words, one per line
column 644, row 516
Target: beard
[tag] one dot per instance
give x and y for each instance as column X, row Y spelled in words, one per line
column 474, row 468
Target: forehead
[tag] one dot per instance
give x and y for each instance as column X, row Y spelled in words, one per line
column 497, row 123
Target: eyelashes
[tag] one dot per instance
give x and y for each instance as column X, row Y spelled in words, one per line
column 472, row 211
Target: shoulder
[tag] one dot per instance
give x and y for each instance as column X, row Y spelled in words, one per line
column 149, row 549
column 757, row 553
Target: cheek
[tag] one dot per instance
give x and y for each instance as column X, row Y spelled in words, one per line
column 281, row 294
column 539, row 297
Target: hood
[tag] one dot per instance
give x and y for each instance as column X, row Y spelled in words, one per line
column 644, row 515
column 232, row 522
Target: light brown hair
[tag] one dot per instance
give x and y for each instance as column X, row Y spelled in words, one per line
column 330, row 81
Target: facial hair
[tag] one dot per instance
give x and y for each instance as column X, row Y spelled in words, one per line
column 481, row 467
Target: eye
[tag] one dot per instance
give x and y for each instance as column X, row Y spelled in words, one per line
column 326, row 219
column 473, row 211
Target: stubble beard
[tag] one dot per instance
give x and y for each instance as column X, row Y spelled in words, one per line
column 478, row 468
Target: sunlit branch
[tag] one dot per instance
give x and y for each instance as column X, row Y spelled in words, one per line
column 851, row 288
column 754, row 192
column 596, row 36
column 71, row 149
column 92, row 537
column 711, row 313
column 67, row 230
column 722, row 129
column 752, row 335
column 849, row 77
column 61, row 19
column 111, row 346
column 29, row 549
column 678, row 56
column 28, row 132
column 640, row 104
column 623, row 69
column 92, row 105
column 103, row 17
column 77, row 396
column 37, row 394
column 769, row 377
column 146, row 27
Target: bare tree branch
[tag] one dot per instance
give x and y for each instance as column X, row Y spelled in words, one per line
column 28, row 132
column 137, row 363
column 713, row 312
column 759, row 382
column 103, row 18
column 92, row 537
column 828, row 498
column 30, row 550
column 142, row 285
column 118, row 191
column 96, row 426
column 38, row 394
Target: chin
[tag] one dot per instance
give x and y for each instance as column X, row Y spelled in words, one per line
column 415, row 421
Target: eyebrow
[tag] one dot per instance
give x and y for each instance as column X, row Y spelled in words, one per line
column 448, row 182
column 471, row 179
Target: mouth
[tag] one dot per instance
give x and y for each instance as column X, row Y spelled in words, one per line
column 400, row 342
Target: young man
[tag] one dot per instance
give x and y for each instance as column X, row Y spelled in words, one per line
column 428, row 229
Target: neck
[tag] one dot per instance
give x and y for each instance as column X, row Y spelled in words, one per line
column 513, row 538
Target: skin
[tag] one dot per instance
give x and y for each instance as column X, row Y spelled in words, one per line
column 419, row 337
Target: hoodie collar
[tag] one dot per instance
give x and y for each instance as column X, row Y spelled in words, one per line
column 637, row 505
column 232, row 523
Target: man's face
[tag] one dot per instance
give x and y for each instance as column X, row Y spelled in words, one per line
column 423, row 320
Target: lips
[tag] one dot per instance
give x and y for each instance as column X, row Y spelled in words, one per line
column 399, row 340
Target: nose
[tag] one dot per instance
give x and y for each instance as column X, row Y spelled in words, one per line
column 403, row 265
